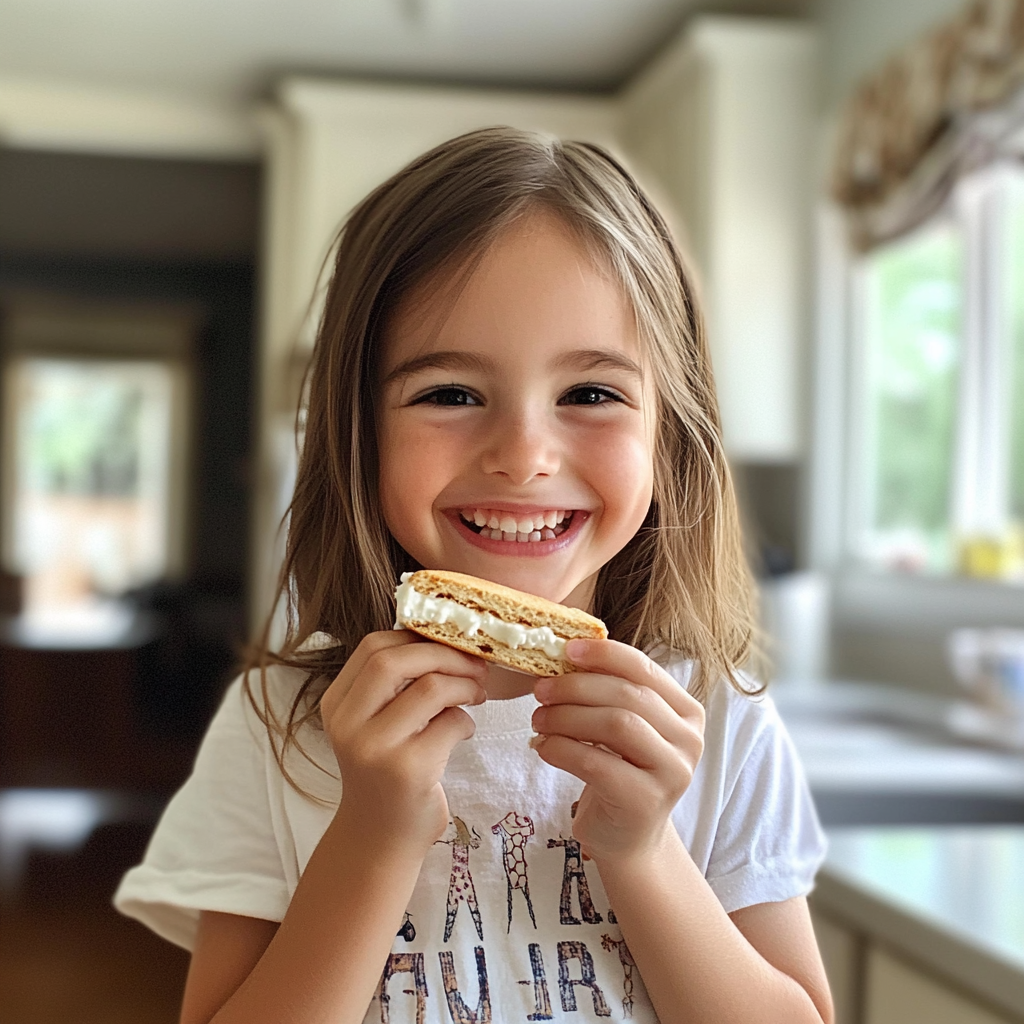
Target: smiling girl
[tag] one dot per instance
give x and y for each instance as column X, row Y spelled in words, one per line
column 510, row 380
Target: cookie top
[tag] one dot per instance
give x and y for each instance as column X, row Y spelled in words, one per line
column 507, row 603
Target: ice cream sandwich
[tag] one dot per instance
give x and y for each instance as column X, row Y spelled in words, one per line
column 497, row 623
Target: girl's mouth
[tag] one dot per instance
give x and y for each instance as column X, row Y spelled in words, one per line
column 518, row 528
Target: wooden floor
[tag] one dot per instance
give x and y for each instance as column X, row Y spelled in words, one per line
column 67, row 957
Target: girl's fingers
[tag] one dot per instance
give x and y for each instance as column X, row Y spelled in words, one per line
column 392, row 668
column 611, row 658
column 617, row 780
column 412, row 711
column 625, row 734
column 445, row 729
column 371, row 644
column 599, row 691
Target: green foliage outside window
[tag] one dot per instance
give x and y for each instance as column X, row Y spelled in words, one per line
column 914, row 335
column 82, row 434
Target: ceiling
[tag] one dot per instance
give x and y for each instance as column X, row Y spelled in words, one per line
column 232, row 50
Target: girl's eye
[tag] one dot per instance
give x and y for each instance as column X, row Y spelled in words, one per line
column 590, row 394
column 448, row 396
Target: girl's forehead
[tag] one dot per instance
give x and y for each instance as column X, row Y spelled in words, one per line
column 534, row 278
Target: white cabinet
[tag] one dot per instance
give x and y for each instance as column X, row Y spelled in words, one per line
column 842, row 954
column 871, row 985
column 896, row 993
column 723, row 123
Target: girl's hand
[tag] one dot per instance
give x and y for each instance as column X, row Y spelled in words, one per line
column 393, row 717
column 653, row 732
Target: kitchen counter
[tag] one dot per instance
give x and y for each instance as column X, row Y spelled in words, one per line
column 881, row 755
column 949, row 899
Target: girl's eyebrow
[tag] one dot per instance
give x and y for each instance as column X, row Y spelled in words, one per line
column 437, row 361
column 596, row 358
column 580, row 359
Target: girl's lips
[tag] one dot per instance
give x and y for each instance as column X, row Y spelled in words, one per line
column 516, row 548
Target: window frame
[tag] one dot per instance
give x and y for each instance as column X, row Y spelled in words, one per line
column 979, row 503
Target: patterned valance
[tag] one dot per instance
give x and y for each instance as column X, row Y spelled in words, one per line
column 943, row 106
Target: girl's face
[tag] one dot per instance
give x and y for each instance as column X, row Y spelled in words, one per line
column 516, row 422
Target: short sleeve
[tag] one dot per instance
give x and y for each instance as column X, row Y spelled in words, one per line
column 769, row 844
column 215, row 847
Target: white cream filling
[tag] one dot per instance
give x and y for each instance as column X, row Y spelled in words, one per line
column 416, row 607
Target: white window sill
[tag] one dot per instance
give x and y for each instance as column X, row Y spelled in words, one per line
column 896, row 601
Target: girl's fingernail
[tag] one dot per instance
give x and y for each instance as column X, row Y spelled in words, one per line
column 536, row 741
column 542, row 689
column 576, row 648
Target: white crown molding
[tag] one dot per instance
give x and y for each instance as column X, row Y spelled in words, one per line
column 64, row 116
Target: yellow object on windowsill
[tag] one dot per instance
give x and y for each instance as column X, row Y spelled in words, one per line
column 993, row 558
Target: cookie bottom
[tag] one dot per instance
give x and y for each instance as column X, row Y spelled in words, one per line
column 531, row 661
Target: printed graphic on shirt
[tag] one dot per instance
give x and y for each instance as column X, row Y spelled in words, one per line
column 515, row 829
column 541, row 999
column 588, row 967
column 577, row 951
column 460, row 886
column 573, row 871
column 408, row 929
column 626, row 959
column 461, row 1013
column 404, row 963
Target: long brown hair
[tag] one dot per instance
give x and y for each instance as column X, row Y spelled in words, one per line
column 681, row 583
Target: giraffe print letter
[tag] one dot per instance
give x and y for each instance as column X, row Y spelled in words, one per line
column 541, row 1000
column 567, row 986
column 515, row 830
column 460, row 886
column 404, row 963
column 461, row 1013
column 628, row 963
column 574, row 869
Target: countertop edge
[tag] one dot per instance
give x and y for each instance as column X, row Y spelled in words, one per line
column 956, row 958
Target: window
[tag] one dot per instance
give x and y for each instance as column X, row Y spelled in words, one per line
column 93, row 478
column 939, row 411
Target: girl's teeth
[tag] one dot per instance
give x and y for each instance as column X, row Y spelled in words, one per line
column 539, row 527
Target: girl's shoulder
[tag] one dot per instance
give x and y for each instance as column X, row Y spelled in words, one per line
column 250, row 727
column 735, row 715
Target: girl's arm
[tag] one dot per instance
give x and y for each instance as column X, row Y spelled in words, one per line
column 625, row 728
column 392, row 740
column 762, row 966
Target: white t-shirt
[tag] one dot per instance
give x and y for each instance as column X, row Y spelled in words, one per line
column 507, row 922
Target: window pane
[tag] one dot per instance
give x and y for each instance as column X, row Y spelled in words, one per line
column 92, row 453
column 913, row 332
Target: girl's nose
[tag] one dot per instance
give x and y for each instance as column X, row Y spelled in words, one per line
column 521, row 449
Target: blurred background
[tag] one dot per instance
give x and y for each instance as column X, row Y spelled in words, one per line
column 847, row 178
